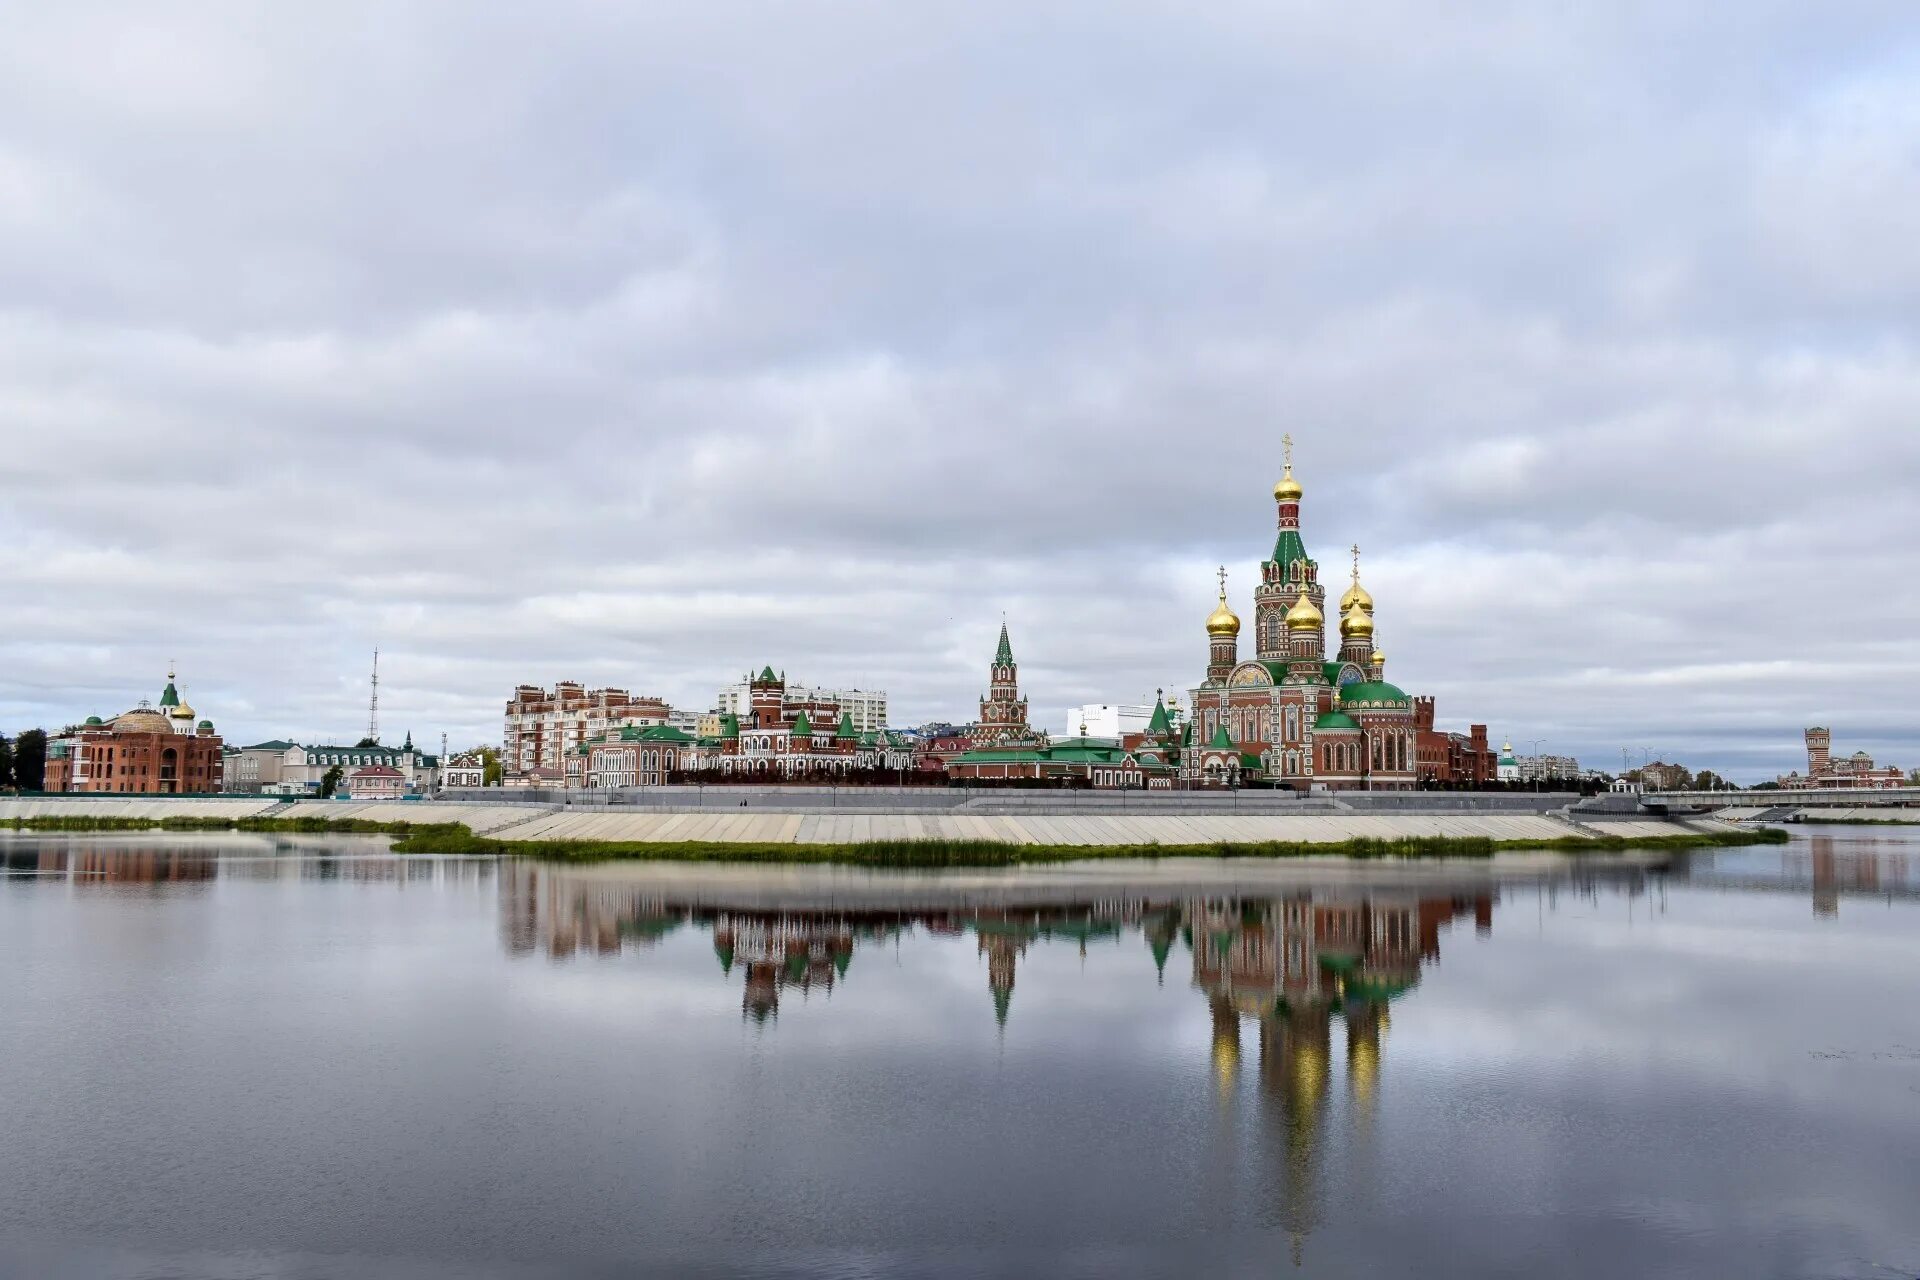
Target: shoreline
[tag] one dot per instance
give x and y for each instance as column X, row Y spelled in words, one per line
column 456, row 838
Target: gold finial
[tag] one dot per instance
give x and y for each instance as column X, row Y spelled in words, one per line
column 1223, row 582
column 1355, row 548
column 171, row 664
column 1288, row 489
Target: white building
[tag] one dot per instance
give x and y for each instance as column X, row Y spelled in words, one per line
column 1107, row 719
column 868, row 707
column 1545, row 768
column 1112, row 719
column 1506, row 769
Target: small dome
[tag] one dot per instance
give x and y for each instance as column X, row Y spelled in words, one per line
column 1356, row 623
column 181, row 712
column 1356, row 595
column 93, row 720
column 1223, row 621
column 1303, row 616
column 1379, row 658
column 1288, row 489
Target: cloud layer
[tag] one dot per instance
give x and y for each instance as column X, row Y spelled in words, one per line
column 644, row 346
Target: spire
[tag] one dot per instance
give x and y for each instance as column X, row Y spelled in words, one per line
column 803, row 726
column 846, row 724
column 1003, row 656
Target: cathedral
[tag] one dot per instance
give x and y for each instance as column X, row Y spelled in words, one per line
column 1291, row 713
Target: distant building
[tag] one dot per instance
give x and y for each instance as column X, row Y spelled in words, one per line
column 303, row 768
column 1856, row 770
column 1446, row 759
column 376, row 782
column 1545, row 768
column 467, row 769
column 543, row 726
column 146, row 751
column 866, row 708
column 1661, row 776
column 1107, row 719
column 259, row 769
column 1506, row 768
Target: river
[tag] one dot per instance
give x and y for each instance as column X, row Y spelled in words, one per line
column 298, row 1057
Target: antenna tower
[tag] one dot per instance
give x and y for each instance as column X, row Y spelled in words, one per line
column 373, row 700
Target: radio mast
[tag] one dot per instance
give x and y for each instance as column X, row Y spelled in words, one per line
column 373, row 700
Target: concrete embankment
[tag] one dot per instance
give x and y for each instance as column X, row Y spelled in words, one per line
column 766, row 820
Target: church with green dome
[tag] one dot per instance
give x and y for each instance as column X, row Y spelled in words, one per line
column 1292, row 713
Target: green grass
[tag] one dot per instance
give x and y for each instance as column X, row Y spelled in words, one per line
column 456, row 838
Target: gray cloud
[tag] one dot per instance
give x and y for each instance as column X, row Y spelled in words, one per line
column 645, row 346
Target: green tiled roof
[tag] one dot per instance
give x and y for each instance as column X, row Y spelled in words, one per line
column 767, row 676
column 169, row 696
column 1335, row 720
column 274, row 745
column 1003, row 656
column 1159, row 726
column 1362, row 691
column 802, row 726
column 846, row 725
column 729, row 725
column 1220, row 741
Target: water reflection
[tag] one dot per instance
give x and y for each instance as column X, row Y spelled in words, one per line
column 117, row 861
column 1830, row 867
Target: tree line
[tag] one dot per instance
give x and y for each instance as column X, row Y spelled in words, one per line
column 23, row 761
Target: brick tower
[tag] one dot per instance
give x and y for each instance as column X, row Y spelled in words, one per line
column 1003, row 712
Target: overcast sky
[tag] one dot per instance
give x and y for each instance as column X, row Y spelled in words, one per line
column 644, row 344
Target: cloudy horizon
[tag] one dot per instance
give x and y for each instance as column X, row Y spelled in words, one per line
column 646, row 346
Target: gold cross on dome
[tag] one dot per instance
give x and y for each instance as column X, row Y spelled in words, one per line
column 1223, row 582
column 1356, row 562
column 1286, row 445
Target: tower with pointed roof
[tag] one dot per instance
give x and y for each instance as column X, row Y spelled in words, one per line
column 1003, row 712
column 1288, row 573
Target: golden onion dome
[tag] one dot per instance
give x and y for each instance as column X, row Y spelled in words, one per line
column 1379, row 658
column 1288, row 489
column 181, row 712
column 1303, row 616
column 1356, row 595
column 1356, row 623
column 1223, row 621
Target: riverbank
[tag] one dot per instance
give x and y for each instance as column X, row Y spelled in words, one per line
column 457, row 838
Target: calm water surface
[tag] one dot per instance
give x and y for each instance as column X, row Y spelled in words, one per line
column 247, row 1057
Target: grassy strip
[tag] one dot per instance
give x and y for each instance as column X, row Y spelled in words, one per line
column 456, row 838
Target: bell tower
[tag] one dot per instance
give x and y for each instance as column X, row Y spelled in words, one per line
column 1287, row 574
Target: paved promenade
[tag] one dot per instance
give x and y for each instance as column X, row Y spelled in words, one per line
column 771, row 826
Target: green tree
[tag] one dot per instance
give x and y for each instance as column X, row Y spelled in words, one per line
column 6, row 763
column 491, row 772
column 1708, row 780
column 30, row 760
column 330, row 781
column 367, row 742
